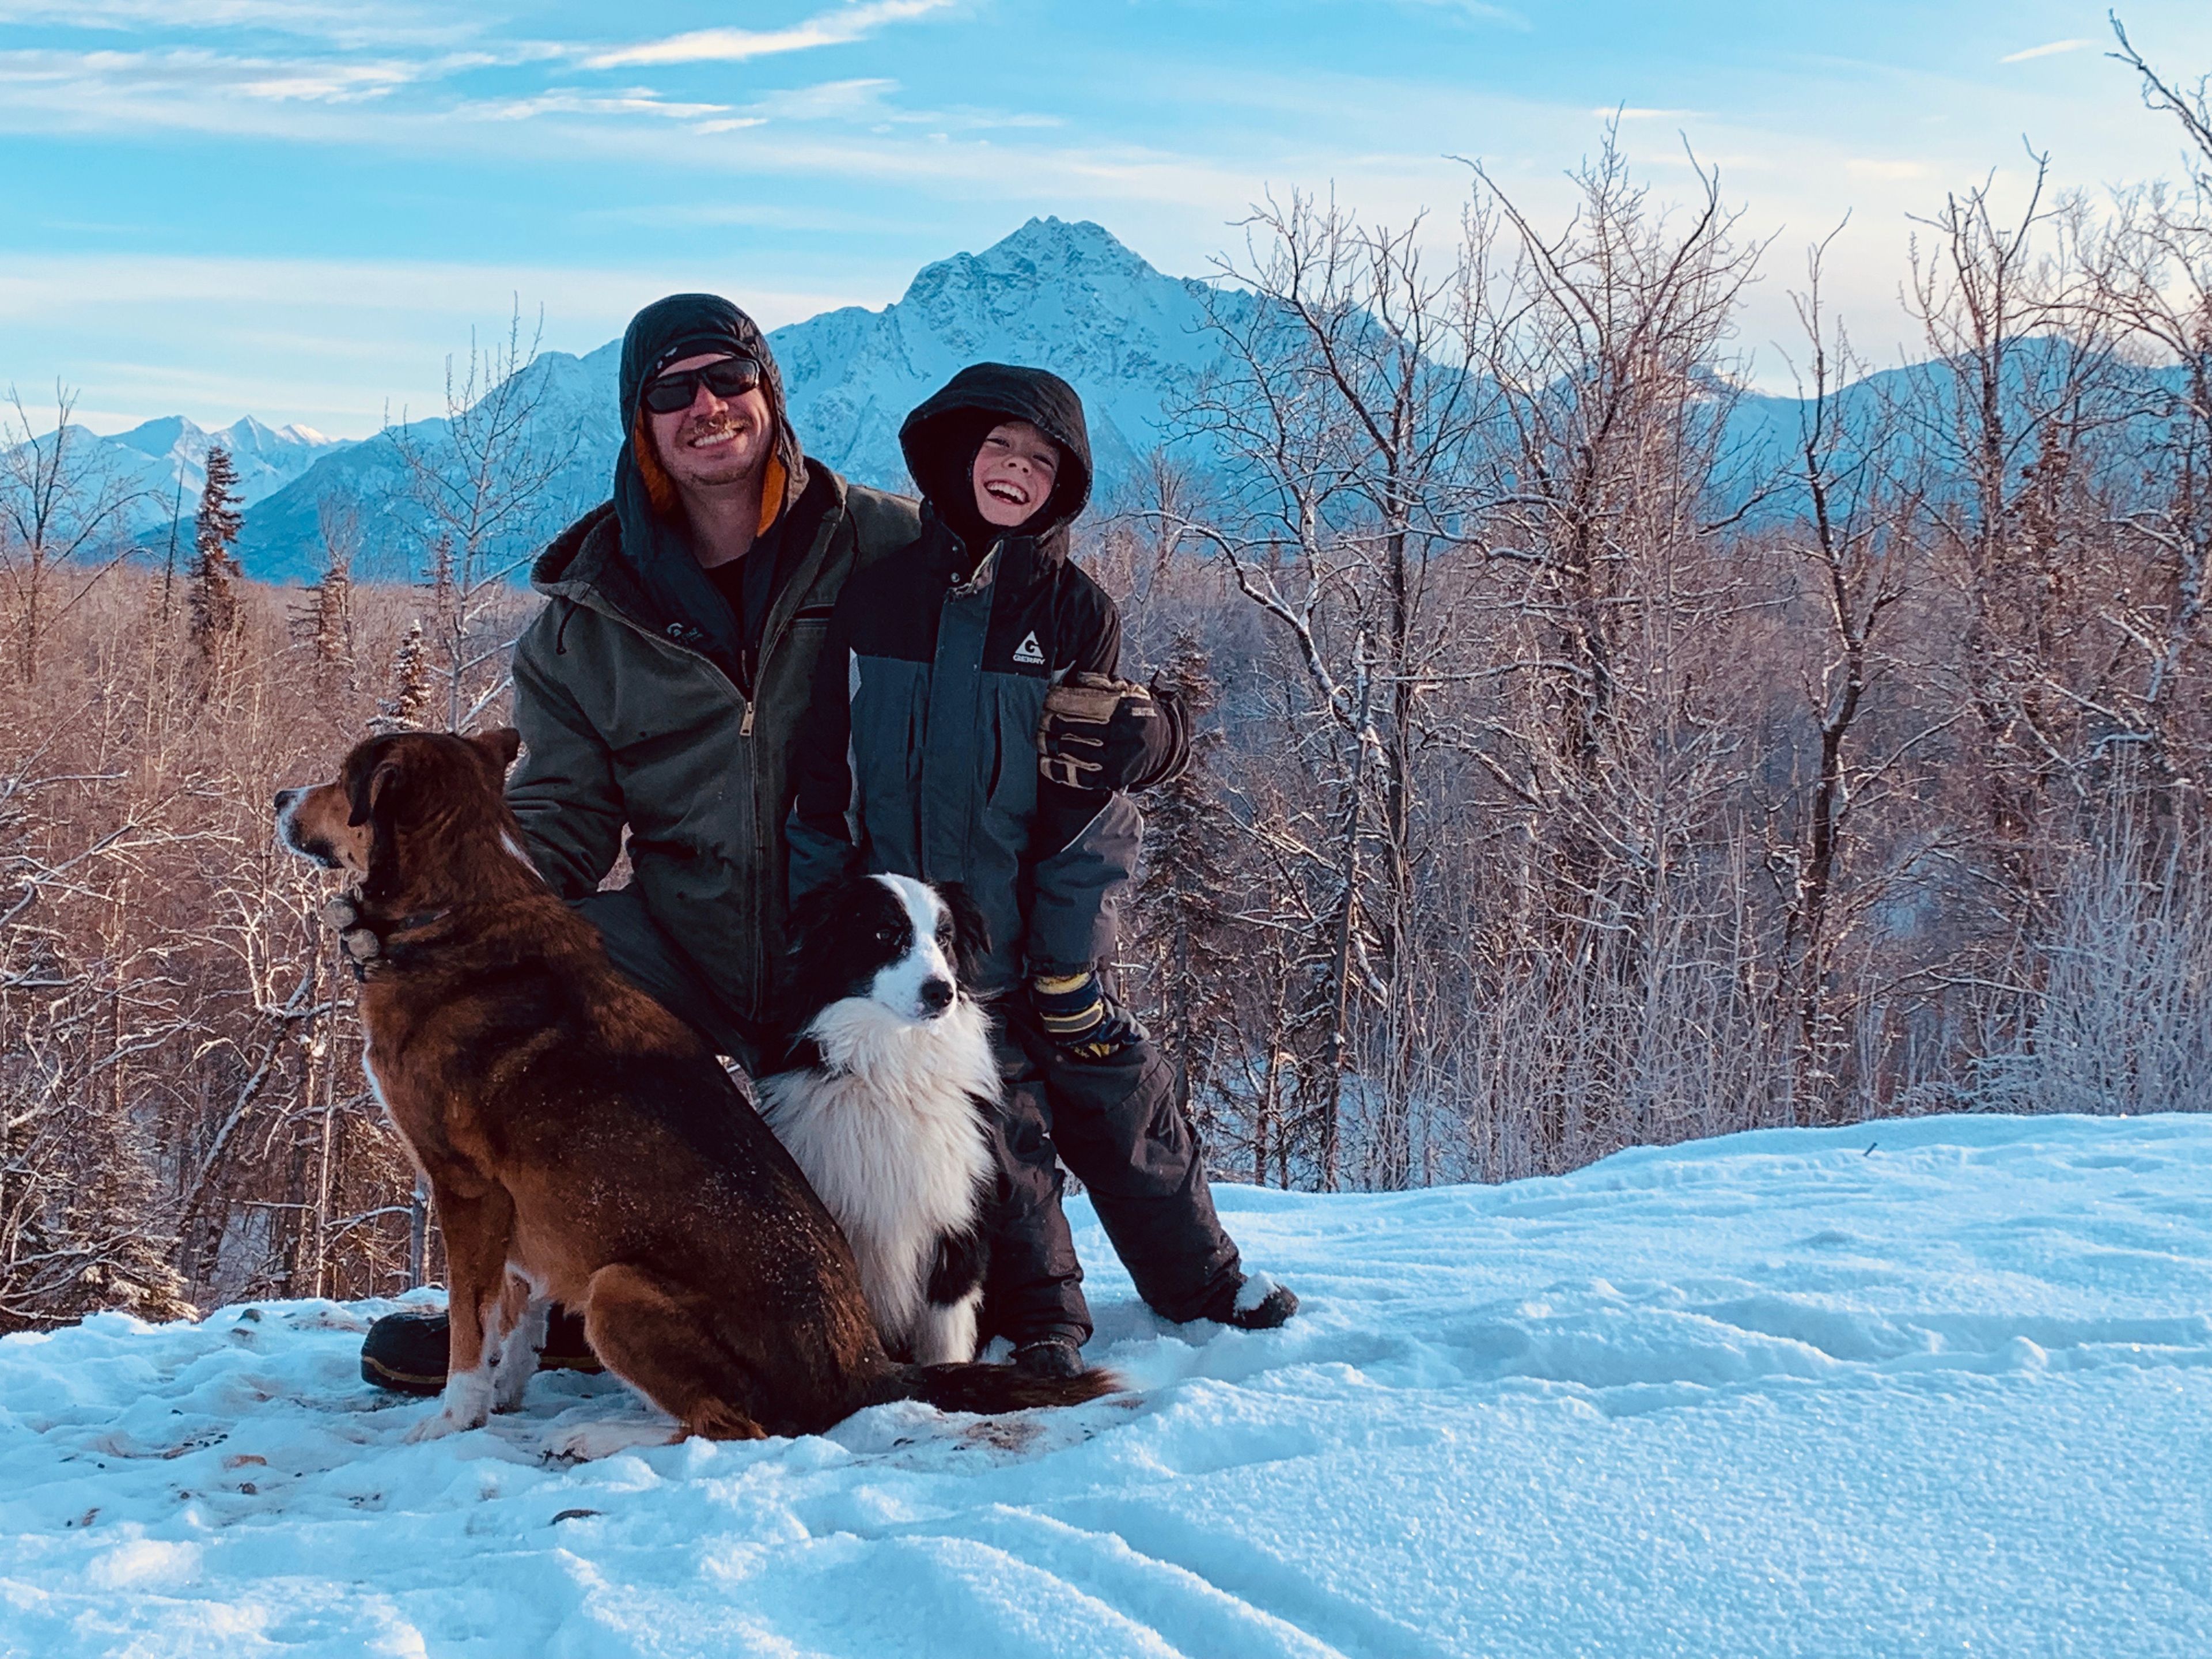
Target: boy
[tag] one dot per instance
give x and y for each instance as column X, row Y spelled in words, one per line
column 967, row 727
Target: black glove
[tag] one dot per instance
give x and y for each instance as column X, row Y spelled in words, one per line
column 1098, row 733
column 1078, row 1016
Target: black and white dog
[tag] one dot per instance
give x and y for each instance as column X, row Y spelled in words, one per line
column 884, row 1092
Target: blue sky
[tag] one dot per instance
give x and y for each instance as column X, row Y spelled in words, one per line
column 298, row 208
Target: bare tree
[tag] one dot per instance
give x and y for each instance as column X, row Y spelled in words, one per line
column 1856, row 506
column 1342, row 420
column 484, row 486
column 61, row 511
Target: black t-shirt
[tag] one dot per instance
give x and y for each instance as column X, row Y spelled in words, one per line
column 750, row 584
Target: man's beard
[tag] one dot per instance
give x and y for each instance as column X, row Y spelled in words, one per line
column 741, row 461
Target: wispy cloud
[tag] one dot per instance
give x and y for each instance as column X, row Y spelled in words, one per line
column 201, row 73
column 2048, row 49
column 339, row 23
column 830, row 29
column 568, row 100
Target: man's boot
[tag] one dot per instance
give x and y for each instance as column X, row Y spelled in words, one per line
column 1254, row 1302
column 406, row 1352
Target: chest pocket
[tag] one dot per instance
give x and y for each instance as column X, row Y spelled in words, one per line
column 1017, row 703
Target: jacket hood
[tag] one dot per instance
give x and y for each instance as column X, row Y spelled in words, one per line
column 941, row 437
column 656, row 544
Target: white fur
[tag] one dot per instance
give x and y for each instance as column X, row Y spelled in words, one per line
column 889, row 1136
column 516, row 1363
column 587, row 1441
column 468, row 1401
column 514, row 851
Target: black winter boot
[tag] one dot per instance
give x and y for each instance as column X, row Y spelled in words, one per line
column 1049, row 1356
column 406, row 1352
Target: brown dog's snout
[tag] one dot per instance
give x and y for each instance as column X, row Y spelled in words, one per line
column 286, row 797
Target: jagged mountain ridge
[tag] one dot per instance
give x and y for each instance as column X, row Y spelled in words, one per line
column 162, row 464
column 1066, row 296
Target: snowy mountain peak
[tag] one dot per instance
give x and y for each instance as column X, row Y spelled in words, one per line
column 1043, row 251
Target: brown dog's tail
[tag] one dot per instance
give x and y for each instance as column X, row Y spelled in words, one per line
column 993, row 1388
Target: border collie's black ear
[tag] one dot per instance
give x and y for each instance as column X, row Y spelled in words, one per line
column 807, row 916
column 500, row 748
column 971, row 934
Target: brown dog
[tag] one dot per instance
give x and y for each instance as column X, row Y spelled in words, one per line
column 581, row 1144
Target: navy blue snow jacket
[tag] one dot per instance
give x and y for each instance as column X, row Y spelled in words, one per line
column 918, row 756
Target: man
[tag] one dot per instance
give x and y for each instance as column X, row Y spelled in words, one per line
column 658, row 691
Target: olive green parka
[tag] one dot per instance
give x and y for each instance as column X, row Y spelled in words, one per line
column 623, row 726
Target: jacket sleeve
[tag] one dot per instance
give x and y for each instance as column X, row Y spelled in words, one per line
column 1085, row 843
column 822, row 832
column 563, row 793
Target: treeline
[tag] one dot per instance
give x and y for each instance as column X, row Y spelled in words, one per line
column 1584, row 776
column 1568, row 777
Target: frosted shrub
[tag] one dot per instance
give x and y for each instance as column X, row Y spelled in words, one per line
column 2118, row 1024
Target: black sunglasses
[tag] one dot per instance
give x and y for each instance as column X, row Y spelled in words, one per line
column 725, row 377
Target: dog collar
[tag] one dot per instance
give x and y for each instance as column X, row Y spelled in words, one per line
column 368, row 942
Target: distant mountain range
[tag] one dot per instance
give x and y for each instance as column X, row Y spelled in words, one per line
column 1067, row 296
column 163, row 463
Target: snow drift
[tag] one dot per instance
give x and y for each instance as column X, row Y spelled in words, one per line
column 1930, row 1387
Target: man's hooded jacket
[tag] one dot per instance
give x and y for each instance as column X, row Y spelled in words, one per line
column 919, row 758
column 640, row 700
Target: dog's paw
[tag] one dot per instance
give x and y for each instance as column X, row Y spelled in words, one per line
column 442, row 1422
column 586, row 1442
column 467, row 1406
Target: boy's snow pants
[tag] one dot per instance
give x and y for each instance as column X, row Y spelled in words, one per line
column 1115, row 1126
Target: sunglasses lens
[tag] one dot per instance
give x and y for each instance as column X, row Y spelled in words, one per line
column 732, row 377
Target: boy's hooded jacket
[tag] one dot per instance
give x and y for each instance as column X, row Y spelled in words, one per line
column 627, row 686
column 918, row 757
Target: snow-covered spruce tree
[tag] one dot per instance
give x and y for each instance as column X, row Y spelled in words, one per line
column 215, row 571
column 1184, row 920
column 411, row 694
column 326, row 626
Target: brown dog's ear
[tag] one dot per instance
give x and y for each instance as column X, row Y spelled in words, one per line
column 370, row 787
column 500, row 748
column 376, row 802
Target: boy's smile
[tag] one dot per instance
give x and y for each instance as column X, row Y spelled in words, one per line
column 1014, row 472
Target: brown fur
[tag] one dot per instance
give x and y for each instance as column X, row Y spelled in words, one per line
column 580, row 1138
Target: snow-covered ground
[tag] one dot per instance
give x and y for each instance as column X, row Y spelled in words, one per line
column 1774, row 1393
